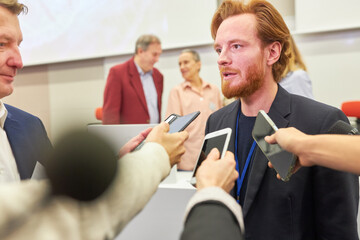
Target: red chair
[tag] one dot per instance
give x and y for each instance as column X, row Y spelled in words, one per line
column 352, row 109
column 98, row 113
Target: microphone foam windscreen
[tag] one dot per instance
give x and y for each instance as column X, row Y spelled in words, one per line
column 82, row 166
column 341, row 127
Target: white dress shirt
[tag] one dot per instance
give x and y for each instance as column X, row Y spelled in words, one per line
column 8, row 168
column 149, row 88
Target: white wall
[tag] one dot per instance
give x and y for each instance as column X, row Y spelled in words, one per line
column 333, row 63
column 77, row 30
column 66, row 94
column 326, row 14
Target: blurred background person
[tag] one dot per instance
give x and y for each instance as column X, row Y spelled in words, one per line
column 194, row 94
column 133, row 89
column 295, row 78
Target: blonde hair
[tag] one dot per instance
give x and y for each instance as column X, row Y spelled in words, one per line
column 14, row 6
column 295, row 62
column 271, row 27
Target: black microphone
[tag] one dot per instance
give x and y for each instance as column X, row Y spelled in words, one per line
column 82, row 166
column 341, row 127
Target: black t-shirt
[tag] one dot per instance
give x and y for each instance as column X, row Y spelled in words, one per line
column 245, row 140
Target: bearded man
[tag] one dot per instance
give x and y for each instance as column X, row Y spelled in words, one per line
column 252, row 42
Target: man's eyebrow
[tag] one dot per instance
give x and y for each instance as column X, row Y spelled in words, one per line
column 5, row 36
column 231, row 42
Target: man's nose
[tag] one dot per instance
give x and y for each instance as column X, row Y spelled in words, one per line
column 223, row 58
column 15, row 59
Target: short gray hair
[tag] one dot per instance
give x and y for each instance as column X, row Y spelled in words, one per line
column 144, row 41
column 194, row 53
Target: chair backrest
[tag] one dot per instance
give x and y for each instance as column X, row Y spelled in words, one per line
column 98, row 113
column 351, row 108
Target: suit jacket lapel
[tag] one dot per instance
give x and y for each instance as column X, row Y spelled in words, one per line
column 135, row 82
column 279, row 110
column 19, row 146
column 231, row 120
column 159, row 88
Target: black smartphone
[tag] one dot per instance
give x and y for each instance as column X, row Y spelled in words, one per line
column 177, row 123
column 282, row 160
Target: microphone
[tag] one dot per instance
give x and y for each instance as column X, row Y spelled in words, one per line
column 81, row 166
column 341, row 127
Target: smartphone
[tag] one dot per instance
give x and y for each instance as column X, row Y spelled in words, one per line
column 282, row 160
column 219, row 139
column 177, row 124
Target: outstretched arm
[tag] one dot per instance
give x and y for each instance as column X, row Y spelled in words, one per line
column 324, row 150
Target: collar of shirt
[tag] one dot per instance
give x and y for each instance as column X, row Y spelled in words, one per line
column 187, row 84
column 141, row 72
column 3, row 114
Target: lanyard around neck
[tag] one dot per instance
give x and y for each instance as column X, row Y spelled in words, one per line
column 241, row 177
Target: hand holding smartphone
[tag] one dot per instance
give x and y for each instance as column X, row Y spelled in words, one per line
column 177, row 124
column 218, row 139
column 282, row 160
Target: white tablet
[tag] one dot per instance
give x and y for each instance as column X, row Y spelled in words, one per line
column 220, row 140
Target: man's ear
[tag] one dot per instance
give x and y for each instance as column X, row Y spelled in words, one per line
column 199, row 65
column 139, row 50
column 274, row 51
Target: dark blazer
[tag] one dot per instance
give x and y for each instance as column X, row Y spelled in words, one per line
column 317, row 202
column 28, row 140
column 211, row 220
column 124, row 98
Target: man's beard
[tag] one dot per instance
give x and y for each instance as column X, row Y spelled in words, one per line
column 251, row 84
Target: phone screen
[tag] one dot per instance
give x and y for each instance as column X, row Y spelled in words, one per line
column 220, row 140
column 210, row 143
column 179, row 123
column 263, row 128
column 282, row 160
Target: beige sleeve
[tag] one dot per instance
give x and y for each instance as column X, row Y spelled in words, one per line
column 138, row 177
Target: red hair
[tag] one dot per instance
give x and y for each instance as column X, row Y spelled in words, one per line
column 271, row 27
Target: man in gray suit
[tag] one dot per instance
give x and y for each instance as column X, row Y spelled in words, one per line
column 252, row 41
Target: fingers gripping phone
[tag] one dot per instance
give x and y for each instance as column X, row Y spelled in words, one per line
column 219, row 139
column 282, row 160
column 177, row 123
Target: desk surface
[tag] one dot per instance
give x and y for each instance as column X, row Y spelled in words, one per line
column 162, row 217
column 182, row 181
